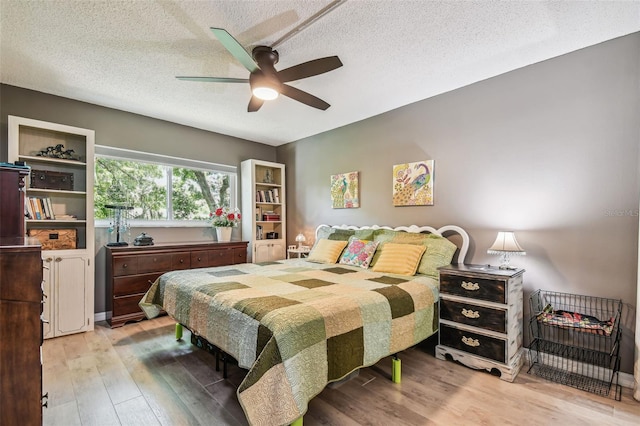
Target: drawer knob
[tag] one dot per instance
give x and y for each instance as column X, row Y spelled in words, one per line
column 181, row 260
column 470, row 341
column 470, row 313
column 124, row 266
column 199, row 259
column 470, row 286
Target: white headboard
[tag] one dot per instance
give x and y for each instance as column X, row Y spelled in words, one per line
column 460, row 255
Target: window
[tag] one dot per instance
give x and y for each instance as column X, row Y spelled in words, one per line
column 161, row 189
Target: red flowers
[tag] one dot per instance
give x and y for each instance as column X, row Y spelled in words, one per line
column 224, row 217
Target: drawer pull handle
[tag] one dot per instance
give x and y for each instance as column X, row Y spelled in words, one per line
column 124, row 266
column 199, row 259
column 470, row 313
column 181, row 260
column 155, row 260
column 470, row 286
column 470, row 341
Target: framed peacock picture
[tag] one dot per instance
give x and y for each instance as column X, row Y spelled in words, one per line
column 413, row 184
column 344, row 191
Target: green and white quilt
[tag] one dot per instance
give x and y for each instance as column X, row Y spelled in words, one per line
column 296, row 325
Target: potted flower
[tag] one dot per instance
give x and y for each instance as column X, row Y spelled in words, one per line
column 223, row 220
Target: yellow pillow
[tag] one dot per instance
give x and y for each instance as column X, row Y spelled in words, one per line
column 401, row 259
column 327, row 251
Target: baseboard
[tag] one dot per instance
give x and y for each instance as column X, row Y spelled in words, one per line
column 626, row 380
column 101, row 316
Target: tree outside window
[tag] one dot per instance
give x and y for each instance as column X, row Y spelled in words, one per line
column 159, row 192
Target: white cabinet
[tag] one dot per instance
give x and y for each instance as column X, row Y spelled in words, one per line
column 68, row 306
column 264, row 216
column 269, row 250
column 59, row 204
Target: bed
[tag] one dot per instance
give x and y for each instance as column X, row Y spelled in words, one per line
column 297, row 325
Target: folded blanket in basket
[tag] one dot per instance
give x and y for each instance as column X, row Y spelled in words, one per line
column 576, row 321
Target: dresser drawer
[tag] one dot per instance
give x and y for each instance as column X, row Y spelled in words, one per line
column 471, row 314
column 199, row 259
column 125, row 265
column 123, row 286
column 473, row 343
column 221, row 257
column 475, row 288
column 180, row 260
column 127, row 305
column 239, row 255
column 154, row 263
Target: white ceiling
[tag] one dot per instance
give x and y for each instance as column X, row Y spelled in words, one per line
column 125, row 54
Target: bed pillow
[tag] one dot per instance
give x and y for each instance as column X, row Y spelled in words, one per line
column 358, row 252
column 401, row 259
column 326, row 251
column 439, row 253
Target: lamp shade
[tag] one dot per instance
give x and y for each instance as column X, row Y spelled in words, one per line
column 506, row 242
column 300, row 238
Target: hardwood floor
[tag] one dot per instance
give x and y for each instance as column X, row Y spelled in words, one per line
column 140, row 375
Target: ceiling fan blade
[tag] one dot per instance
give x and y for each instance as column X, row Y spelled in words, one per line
column 254, row 104
column 236, row 49
column 214, row 79
column 304, row 97
column 309, row 69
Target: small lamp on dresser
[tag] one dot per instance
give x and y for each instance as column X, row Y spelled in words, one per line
column 300, row 238
column 506, row 245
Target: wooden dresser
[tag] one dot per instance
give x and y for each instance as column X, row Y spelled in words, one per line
column 481, row 318
column 21, row 396
column 131, row 270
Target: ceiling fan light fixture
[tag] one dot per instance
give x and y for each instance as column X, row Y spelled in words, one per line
column 265, row 93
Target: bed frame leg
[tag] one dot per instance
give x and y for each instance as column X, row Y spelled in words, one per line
column 297, row 422
column 396, row 369
column 178, row 331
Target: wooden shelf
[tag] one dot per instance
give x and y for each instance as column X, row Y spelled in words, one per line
column 58, row 161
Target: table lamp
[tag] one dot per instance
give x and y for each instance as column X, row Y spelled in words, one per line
column 506, row 246
column 300, row 239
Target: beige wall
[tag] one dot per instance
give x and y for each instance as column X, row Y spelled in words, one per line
column 125, row 130
column 550, row 151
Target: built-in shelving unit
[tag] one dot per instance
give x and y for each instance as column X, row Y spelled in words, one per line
column 264, row 210
column 68, row 279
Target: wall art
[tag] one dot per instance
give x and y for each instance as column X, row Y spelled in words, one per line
column 413, row 184
column 344, row 191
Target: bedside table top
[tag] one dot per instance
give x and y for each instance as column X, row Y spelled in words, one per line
column 466, row 269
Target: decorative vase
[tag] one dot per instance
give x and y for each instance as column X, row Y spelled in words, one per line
column 223, row 233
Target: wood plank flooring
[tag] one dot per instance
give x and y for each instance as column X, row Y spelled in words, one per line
column 140, row 375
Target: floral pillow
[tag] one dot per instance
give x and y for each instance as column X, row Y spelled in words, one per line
column 359, row 253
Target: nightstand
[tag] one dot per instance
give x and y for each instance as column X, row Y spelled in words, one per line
column 300, row 251
column 481, row 318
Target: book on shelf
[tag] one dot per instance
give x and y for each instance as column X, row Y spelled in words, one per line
column 39, row 208
column 263, row 197
column 258, row 232
column 276, row 196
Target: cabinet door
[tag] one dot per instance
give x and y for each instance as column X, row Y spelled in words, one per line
column 278, row 250
column 70, row 295
column 262, row 253
column 47, row 297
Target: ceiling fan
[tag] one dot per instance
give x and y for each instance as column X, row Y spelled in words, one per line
column 265, row 81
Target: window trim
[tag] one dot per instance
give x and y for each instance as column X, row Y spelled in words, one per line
column 166, row 160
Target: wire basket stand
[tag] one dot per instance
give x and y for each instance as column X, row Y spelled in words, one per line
column 576, row 340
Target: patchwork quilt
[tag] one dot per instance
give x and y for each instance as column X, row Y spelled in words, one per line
column 296, row 325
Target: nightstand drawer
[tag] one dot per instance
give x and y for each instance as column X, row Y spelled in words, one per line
column 220, row 257
column 473, row 343
column 239, row 255
column 471, row 314
column 475, row 288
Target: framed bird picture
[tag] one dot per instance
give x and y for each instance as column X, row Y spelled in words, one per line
column 344, row 191
column 413, row 184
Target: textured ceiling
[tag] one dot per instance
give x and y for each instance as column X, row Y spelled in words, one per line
column 125, row 54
